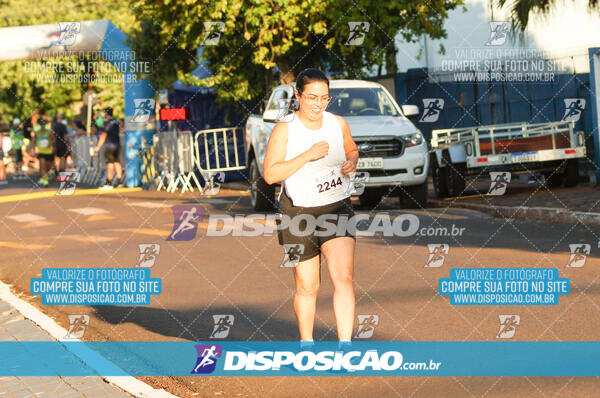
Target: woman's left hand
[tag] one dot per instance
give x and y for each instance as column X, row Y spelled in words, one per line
column 349, row 166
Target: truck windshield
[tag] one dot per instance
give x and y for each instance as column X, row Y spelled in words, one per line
column 365, row 101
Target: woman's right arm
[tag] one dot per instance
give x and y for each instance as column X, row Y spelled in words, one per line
column 276, row 168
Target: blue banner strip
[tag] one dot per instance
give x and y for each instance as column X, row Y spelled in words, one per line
column 235, row 358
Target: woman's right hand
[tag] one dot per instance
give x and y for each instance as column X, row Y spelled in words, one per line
column 318, row 150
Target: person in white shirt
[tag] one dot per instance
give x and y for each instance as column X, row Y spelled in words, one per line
column 313, row 156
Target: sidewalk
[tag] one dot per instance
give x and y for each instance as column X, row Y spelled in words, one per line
column 14, row 327
column 530, row 201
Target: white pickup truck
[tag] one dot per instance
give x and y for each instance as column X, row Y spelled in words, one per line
column 391, row 149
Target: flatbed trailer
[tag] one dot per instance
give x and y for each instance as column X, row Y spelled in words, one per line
column 550, row 148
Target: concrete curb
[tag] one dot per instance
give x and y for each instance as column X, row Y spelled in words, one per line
column 523, row 212
column 130, row 384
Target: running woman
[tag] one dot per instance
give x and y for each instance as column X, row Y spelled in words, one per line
column 313, row 155
column 44, row 148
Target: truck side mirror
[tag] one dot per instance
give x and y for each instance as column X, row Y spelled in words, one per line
column 410, row 110
column 270, row 115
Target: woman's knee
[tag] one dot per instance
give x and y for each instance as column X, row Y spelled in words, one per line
column 342, row 280
column 307, row 288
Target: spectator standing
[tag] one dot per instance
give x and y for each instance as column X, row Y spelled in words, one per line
column 112, row 149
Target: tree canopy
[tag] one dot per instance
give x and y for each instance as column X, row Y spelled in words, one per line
column 265, row 41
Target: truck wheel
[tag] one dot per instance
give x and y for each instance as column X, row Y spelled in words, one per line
column 262, row 195
column 414, row 197
column 456, row 178
column 571, row 173
column 439, row 176
column 370, row 198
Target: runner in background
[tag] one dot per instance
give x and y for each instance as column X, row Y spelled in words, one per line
column 44, row 148
column 17, row 141
column 110, row 139
column 61, row 149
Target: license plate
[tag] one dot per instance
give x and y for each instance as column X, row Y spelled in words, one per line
column 524, row 157
column 369, row 163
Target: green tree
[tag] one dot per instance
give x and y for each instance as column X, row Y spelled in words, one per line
column 263, row 41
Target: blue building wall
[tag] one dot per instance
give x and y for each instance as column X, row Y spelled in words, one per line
column 482, row 103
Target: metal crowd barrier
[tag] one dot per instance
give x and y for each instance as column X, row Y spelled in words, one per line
column 220, row 152
column 171, row 162
column 91, row 165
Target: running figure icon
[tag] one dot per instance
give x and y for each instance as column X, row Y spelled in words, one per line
column 186, row 220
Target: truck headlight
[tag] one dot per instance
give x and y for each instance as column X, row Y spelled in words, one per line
column 412, row 139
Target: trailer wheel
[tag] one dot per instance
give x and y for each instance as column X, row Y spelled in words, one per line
column 456, row 178
column 262, row 195
column 571, row 173
column 439, row 176
column 553, row 179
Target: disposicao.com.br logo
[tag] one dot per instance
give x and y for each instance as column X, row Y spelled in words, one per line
column 322, row 359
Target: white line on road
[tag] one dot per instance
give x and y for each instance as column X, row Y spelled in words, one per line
column 90, row 357
column 89, row 211
column 26, row 217
column 149, row 205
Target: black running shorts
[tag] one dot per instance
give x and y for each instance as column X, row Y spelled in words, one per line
column 312, row 241
column 111, row 153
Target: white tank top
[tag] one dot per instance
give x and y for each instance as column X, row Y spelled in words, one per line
column 318, row 182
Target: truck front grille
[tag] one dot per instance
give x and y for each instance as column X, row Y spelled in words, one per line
column 382, row 146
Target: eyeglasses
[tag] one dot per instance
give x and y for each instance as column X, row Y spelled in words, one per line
column 314, row 99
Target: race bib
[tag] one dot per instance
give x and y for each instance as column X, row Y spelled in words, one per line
column 330, row 184
column 43, row 142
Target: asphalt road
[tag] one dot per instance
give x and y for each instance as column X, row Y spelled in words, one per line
column 240, row 276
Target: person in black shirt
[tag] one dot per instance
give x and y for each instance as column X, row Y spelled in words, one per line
column 112, row 148
column 61, row 149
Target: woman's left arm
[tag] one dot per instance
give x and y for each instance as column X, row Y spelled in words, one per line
column 349, row 166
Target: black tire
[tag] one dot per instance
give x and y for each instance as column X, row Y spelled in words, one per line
column 262, row 195
column 456, row 178
column 571, row 173
column 439, row 175
column 414, row 197
column 554, row 179
column 370, row 198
